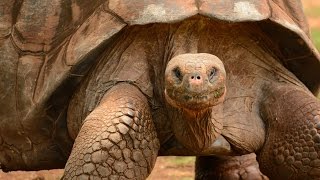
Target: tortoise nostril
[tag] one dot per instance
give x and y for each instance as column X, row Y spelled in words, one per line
column 195, row 77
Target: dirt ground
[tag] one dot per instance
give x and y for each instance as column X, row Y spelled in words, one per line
column 173, row 168
column 166, row 168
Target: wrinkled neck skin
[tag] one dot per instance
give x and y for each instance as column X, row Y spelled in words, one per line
column 197, row 130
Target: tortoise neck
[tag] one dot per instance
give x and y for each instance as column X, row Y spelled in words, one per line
column 197, row 130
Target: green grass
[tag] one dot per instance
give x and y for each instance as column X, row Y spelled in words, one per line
column 315, row 36
column 182, row 161
column 186, row 178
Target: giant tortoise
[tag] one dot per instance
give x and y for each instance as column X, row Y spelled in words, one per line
column 102, row 88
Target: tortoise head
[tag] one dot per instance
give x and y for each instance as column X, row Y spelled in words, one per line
column 195, row 81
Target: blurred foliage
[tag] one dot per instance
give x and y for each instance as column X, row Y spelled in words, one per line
column 315, row 36
column 313, row 12
column 182, row 161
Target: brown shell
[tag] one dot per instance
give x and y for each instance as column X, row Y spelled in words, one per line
column 46, row 47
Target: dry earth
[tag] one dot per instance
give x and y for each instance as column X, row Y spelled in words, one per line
column 167, row 168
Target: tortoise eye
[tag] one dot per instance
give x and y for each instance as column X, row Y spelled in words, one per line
column 213, row 72
column 177, row 73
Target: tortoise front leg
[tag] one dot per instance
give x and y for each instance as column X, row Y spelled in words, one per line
column 292, row 145
column 243, row 167
column 117, row 140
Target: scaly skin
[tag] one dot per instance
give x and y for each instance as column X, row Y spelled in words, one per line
column 117, row 139
column 292, row 146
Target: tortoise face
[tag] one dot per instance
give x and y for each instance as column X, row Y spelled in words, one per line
column 195, row 81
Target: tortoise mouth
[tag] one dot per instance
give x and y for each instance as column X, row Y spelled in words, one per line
column 182, row 98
